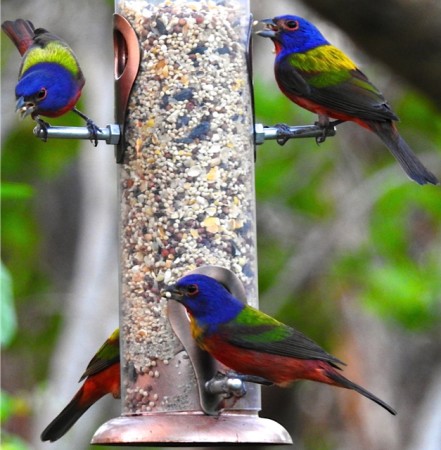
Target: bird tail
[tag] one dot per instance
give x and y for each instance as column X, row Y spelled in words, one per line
column 67, row 418
column 414, row 168
column 21, row 33
column 341, row 381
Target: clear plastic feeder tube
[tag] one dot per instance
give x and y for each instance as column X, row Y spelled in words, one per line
column 186, row 181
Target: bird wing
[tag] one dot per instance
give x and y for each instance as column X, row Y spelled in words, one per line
column 290, row 80
column 257, row 331
column 107, row 355
column 42, row 37
column 345, row 91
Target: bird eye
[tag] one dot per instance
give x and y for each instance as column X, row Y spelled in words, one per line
column 192, row 290
column 41, row 93
column 292, row 25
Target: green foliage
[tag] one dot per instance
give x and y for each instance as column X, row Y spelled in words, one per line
column 26, row 161
column 27, row 158
column 405, row 283
column 12, row 405
column 404, row 217
column 404, row 292
column 419, row 114
column 8, row 320
column 396, row 273
column 20, row 241
column 16, row 191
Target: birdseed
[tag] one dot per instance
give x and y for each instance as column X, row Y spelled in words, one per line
column 186, row 183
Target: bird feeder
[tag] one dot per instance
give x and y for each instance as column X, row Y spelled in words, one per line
column 186, row 189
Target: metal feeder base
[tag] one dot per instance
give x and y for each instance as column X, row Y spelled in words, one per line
column 190, row 429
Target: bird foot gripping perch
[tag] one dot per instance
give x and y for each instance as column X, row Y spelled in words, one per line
column 282, row 133
column 111, row 134
column 231, row 384
column 93, row 130
column 227, row 384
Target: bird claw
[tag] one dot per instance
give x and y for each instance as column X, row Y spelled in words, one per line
column 320, row 139
column 283, row 133
column 42, row 129
column 93, row 130
column 90, row 124
column 325, row 126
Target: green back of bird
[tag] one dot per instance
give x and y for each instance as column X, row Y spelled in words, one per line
column 107, row 355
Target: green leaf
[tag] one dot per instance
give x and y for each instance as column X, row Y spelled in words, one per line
column 404, row 293
column 8, row 319
column 16, row 190
column 11, row 405
column 6, row 406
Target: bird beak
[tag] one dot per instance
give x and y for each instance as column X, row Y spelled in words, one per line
column 24, row 108
column 270, row 30
column 173, row 293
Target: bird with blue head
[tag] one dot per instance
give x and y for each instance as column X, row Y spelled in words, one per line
column 319, row 77
column 252, row 343
column 50, row 79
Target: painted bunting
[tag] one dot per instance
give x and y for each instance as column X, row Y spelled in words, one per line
column 102, row 377
column 321, row 78
column 50, row 79
column 252, row 343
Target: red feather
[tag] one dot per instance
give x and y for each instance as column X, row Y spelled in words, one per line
column 105, row 382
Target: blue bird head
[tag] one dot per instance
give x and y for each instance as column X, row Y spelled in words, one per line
column 292, row 34
column 207, row 300
column 46, row 89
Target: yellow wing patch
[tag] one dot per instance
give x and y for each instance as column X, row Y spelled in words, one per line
column 322, row 59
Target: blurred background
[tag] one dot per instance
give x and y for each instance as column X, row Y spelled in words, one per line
column 349, row 248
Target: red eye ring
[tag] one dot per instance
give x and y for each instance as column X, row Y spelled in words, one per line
column 42, row 94
column 292, row 25
column 192, row 290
